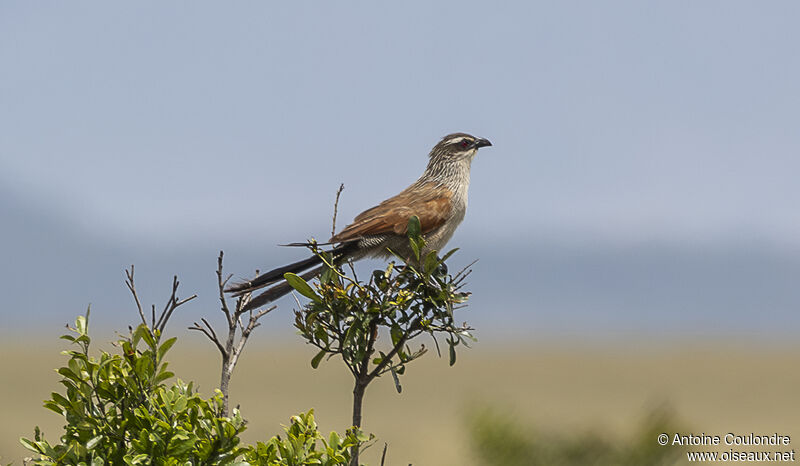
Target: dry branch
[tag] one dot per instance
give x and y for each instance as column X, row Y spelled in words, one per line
column 231, row 348
column 172, row 303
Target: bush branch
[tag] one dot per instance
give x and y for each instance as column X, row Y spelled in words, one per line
column 172, row 303
column 233, row 347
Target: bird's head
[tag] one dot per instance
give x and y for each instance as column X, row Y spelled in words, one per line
column 457, row 147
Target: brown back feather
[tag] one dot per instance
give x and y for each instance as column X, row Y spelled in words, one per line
column 430, row 202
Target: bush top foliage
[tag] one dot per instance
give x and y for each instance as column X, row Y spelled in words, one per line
column 418, row 296
column 119, row 410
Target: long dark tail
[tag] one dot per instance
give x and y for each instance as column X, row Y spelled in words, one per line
column 278, row 291
column 276, row 276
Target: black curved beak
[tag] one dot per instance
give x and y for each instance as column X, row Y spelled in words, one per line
column 481, row 142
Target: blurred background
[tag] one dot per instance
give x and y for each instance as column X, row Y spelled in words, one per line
column 635, row 221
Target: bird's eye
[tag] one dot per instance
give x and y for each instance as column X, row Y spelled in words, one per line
column 464, row 143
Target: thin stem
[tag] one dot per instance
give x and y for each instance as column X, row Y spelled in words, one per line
column 221, row 285
column 379, row 368
column 336, row 209
column 383, row 456
column 232, row 347
column 358, row 400
column 208, row 331
column 131, row 286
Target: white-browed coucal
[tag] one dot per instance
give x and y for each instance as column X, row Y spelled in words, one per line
column 438, row 198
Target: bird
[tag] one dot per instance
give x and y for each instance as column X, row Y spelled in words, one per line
column 438, row 199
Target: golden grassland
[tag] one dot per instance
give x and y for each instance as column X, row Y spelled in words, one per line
column 557, row 388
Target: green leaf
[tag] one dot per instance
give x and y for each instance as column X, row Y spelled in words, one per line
column 75, row 367
column 449, row 253
column 54, row 408
column 66, row 372
column 179, row 446
column 431, row 262
column 180, row 404
column 415, row 235
column 93, row 442
column 333, row 440
column 350, row 336
column 80, row 325
column 396, row 380
column 162, row 350
column 59, row 399
column 162, row 376
column 83, row 339
column 29, row 445
column 397, row 334
column 316, row 360
column 146, row 335
column 321, row 335
column 415, row 248
column 452, row 354
column 301, row 286
column 414, row 227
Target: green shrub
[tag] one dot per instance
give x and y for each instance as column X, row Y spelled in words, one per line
column 302, row 445
column 345, row 317
column 499, row 440
column 118, row 410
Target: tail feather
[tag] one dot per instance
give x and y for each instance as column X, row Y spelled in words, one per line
column 272, row 276
column 278, row 291
column 276, row 275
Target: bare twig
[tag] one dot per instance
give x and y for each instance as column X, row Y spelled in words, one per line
column 232, row 348
column 383, row 455
column 462, row 275
column 172, row 303
column 208, row 330
column 131, row 286
column 297, row 301
column 336, row 209
column 221, row 285
column 352, row 269
column 467, row 269
column 196, row 326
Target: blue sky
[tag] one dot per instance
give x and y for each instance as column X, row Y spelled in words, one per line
column 146, row 129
